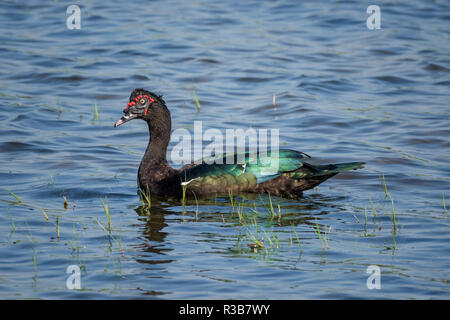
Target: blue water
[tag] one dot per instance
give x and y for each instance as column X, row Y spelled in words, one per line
column 343, row 93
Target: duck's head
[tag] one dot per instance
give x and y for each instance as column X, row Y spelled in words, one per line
column 140, row 105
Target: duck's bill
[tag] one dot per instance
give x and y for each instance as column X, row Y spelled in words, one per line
column 124, row 119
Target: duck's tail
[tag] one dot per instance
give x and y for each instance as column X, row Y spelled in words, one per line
column 337, row 168
column 328, row 170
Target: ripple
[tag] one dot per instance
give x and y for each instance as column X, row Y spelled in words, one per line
column 435, row 67
column 393, row 79
column 343, row 93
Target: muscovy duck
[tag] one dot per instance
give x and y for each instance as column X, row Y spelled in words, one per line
column 292, row 177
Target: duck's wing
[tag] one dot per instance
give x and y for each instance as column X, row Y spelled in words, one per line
column 262, row 166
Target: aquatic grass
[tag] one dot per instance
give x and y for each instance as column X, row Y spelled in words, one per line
column 393, row 240
column 45, row 214
column 108, row 215
column 384, row 185
column 100, row 224
column 259, row 237
column 183, row 200
column 13, row 225
column 271, row 237
column 443, row 203
column 18, row 199
column 256, row 243
column 74, row 244
column 393, row 215
column 95, row 111
column 184, row 186
column 240, row 211
column 232, row 201
column 297, row 237
column 196, row 100
column 394, row 220
column 276, row 240
column 21, row 203
column 145, row 197
column 269, row 209
column 323, row 239
column 74, row 247
column 268, row 238
column 60, row 108
column 373, row 208
column 109, row 230
column 272, row 212
column 34, row 261
column 57, row 227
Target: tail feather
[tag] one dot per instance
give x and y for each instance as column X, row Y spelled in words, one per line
column 338, row 167
column 291, row 184
column 310, row 171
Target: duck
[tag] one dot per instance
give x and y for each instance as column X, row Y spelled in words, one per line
column 292, row 175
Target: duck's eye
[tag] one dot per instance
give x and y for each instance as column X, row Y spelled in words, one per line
column 142, row 101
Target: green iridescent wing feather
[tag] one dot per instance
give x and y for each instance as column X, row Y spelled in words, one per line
column 263, row 167
column 245, row 170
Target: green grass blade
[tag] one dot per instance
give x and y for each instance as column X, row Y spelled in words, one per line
column 45, row 214
column 108, row 216
column 296, row 236
column 18, row 199
column 196, row 101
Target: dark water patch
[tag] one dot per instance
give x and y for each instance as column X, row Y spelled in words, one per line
column 383, row 52
column 252, row 79
column 393, row 80
column 341, row 70
column 15, row 146
column 130, row 52
column 72, row 78
column 140, row 77
column 442, row 83
column 209, row 61
column 436, row 67
column 114, row 80
column 423, row 141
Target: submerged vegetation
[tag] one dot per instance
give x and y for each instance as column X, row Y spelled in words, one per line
column 264, row 224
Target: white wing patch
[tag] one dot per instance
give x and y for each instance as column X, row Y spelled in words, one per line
column 187, row 182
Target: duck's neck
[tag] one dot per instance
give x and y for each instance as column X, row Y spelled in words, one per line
column 154, row 167
column 157, row 144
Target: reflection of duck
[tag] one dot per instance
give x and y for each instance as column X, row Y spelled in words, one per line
column 154, row 222
column 292, row 176
column 153, row 249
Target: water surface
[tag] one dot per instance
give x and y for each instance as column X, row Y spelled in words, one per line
column 343, row 93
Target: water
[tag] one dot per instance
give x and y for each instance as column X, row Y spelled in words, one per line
column 343, row 93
